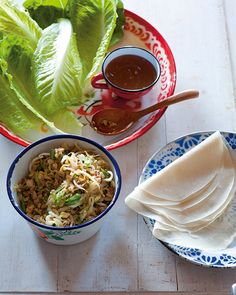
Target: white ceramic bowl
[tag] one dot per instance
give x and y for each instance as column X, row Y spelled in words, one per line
column 19, row 168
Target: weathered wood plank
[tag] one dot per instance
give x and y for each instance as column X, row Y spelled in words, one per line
column 131, row 293
column 156, row 265
column 203, row 62
column 230, row 11
column 201, row 279
column 198, row 40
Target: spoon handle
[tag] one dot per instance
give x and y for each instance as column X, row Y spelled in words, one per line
column 184, row 95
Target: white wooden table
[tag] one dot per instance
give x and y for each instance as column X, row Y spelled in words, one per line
column 124, row 256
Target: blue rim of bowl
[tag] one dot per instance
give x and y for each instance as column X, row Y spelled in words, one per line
column 131, row 90
column 61, row 136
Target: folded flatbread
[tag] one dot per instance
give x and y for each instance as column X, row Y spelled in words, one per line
column 189, row 199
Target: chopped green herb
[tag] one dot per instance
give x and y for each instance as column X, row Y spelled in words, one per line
column 36, row 177
column 87, row 162
column 57, row 195
column 105, row 173
column 52, row 154
column 41, row 165
column 72, row 200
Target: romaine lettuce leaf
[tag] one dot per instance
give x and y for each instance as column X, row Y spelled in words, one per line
column 94, row 22
column 57, row 68
column 18, row 66
column 19, row 23
column 19, row 58
column 46, row 12
column 19, row 63
column 119, row 29
column 36, row 3
column 13, row 113
column 67, row 121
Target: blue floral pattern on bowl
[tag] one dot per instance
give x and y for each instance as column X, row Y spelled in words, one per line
column 164, row 157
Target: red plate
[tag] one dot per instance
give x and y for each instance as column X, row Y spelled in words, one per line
column 138, row 32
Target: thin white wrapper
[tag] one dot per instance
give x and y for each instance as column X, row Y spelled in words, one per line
column 190, row 199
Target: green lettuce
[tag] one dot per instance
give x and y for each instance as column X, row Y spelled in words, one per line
column 94, row 22
column 18, row 66
column 46, row 12
column 119, row 29
column 67, row 121
column 36, row 3
column 57, row 67
column 18, row 59
column 16, row 22
column 13, row 113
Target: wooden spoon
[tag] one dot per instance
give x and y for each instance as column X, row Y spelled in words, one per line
column 113, row 121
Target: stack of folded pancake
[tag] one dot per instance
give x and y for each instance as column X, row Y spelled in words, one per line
column 191, row 199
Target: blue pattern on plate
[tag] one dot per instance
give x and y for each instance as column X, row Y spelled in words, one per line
column 164, row 157
column 231, row 139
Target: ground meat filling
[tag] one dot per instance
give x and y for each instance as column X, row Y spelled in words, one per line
column 67, row 186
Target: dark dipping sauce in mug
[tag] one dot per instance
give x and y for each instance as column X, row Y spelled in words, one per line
column 130, row 72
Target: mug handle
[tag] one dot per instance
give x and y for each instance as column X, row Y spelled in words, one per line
column 96, row 84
